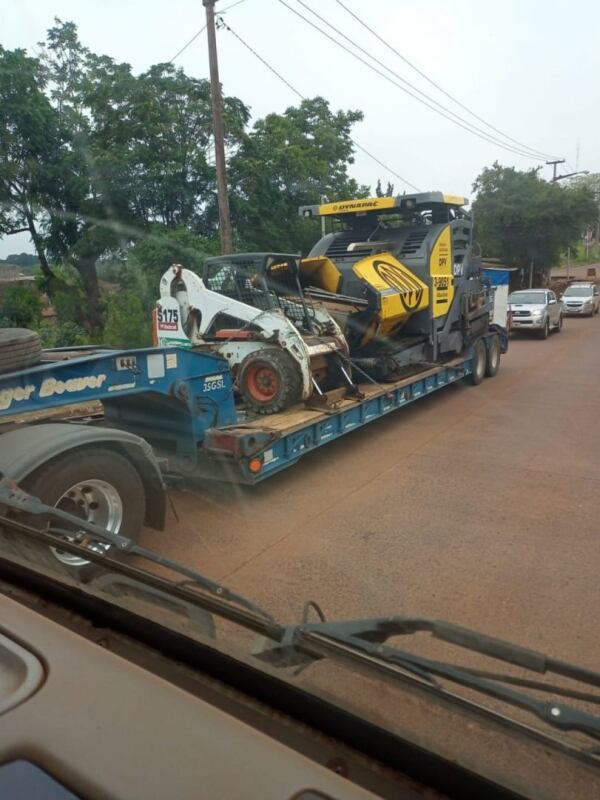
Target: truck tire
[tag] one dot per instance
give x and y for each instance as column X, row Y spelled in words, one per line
column 479, row 362
column 492, row 360
column 19, row 348
column 96, row 483
column 269, row 380
column 543, row 334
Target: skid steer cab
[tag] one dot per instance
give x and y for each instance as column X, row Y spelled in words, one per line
column 250, row 309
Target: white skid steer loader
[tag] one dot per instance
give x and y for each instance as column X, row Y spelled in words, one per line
column 250, row 309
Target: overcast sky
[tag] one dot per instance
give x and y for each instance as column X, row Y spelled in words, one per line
column 529, row 68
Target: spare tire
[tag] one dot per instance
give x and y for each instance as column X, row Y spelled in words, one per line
column 19, row 348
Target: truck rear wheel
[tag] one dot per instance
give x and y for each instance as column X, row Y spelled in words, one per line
column 19, row 348
column 269, row 381
column 479, row 362
column 492, row 361
column 96, row 484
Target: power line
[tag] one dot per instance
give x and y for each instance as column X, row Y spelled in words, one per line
column 185, row 46
column 433, row 83
column 303, row 97
column 444, row 113
column 202, row 29
column 456, row 119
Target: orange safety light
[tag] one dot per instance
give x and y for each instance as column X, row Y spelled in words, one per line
column 255, row 465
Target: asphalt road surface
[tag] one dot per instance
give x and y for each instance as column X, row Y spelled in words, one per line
column 478, row 505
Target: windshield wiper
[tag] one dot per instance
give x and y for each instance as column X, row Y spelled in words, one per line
column 359, row 642
column 78, row 531
column 363, row 642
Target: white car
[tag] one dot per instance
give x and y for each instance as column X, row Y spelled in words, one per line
column 534, row 310
column 581, row 298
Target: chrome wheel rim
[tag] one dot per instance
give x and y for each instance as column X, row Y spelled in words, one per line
column 95, row 501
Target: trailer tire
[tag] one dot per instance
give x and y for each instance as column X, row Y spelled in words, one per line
column 479, row 362
column 492, row 359
column 19, row 348
column 96, row 483
column 269, row 381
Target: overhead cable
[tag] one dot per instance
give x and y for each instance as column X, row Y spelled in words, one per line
column 197, row 34
column 303, row 97
column 437, row 85
column 446, row 113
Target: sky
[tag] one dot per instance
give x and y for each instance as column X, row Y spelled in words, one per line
column 530, row 68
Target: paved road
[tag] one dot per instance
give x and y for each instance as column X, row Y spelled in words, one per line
column 478, row 505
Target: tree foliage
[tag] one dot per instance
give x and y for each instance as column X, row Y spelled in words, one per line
column 21, row 306
column 285, row 161
column 528, row 222
column 127, row 320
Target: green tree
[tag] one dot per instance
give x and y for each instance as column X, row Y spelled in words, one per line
column 285, row 161
column 127, row 322
column 161, row 247
column 526, row 221
column 62, row 334
column 101, row 154
column 30, row 147
column 21, row 306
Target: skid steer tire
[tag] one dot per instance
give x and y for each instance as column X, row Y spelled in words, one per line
column 269, row 381
column 96, row 483
column 479, row 362
column 19, row 348
column 492, row 361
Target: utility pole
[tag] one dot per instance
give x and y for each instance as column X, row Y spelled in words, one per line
column 554, row 164
column 217, row 112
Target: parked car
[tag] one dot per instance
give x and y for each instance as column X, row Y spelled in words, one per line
column 581, row 298
column 534, row 310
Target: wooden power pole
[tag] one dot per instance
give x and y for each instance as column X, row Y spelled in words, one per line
column 554, row 164
column 217, row 112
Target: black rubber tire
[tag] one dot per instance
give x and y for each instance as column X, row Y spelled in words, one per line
column 597, row 310
column 51, row 481
column 543, row 334
column 479, row 362
column 558, row 326
column 289, row 386
column 492, row 360
column 19, row 348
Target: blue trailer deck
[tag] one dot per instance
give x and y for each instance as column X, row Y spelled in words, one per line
column 182, row 403
column 261, row 447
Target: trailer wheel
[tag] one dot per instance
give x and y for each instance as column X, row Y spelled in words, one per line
column 479, row 362
column 492, row 361
column 269, row 381
column 96, row 484
column 19, row 348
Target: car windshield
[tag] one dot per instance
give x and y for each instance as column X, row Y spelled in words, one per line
column 279, row 327
column 530, row 298
column 578, row 291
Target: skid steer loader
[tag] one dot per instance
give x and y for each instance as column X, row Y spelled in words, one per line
column 401, row 277
column 250, row 308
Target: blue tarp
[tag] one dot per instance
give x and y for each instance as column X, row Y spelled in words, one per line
column 497, row 277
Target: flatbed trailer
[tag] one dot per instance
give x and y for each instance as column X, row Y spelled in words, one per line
column 171, row 414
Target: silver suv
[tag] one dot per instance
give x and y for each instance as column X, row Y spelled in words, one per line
column 535, row 310
column 581, row 298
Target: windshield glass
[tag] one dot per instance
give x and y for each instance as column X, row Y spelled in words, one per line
column 230, row 321
column 528, row 297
